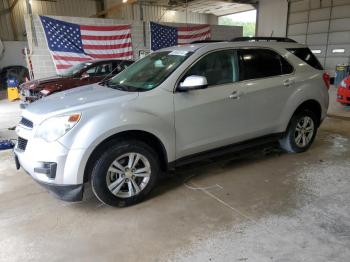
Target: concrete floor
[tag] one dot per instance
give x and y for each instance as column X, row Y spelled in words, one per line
column 261, row 205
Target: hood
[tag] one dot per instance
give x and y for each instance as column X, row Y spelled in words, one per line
column 36, row 83
column 77, row 99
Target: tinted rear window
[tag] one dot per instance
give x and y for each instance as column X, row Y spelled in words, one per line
column 260, row 63
column 307, row 56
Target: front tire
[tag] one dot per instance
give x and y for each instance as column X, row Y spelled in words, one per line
column 125, row 173
column 301, row 132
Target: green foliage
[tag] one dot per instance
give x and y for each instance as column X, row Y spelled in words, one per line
column 248, row 27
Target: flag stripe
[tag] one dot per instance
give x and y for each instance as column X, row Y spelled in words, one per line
column 106, row 47
column 105, row 33
column 71, row 58
column 193, row 36
column 104, row 27
column 126, row 55
column 105, row 37
column 192, row 28
column 111, row 42
column 117, row 51
column 60, row 66
column 204, row 30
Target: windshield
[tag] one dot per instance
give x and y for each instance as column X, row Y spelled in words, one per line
column 75, row 69
column 149, row 72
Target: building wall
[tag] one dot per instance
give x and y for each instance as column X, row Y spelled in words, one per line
column 323, row 26
column 41, row 59
column 272, row 18
column 13, row 53
column 80, row 8
column 88, row 8
column 158, row 13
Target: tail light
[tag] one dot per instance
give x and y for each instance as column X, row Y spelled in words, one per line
column 327, row 80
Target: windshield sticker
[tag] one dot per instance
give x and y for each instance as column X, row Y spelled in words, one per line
column 178, row 52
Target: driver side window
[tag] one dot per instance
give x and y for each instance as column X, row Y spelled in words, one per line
column 218, row 67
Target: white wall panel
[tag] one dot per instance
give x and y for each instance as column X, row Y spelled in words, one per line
column 343, row 46
column 268, row 22
column 318, row 27
column 340, row 2
column 297, row 29
column 339, row 37
column 320, row 14
column 299, row 6
column 341, row 11
column 340, row 24
column 299, row 38
column 297, row 18
column 317, row 39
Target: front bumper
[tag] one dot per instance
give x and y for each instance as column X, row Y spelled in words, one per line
column 53, row 166
column 343, row 95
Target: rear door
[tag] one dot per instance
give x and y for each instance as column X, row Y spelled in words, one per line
column 267, row 80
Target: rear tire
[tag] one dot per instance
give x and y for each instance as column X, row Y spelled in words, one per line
column 301, row 132
column 125, row 173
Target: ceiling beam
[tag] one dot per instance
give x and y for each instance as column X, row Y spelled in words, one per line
column 113, row 8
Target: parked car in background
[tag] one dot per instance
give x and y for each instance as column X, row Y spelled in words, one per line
column 18, row 72
column 174, row 106
column 81, row 74
column 343, row 93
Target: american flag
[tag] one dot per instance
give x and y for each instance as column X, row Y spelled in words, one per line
column 163, row 36
column 71, row 44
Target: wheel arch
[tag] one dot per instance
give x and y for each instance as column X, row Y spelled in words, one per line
column 144, row 136
column 312, row 105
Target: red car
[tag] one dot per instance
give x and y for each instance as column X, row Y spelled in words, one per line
column 81, row 74
column 343, row 94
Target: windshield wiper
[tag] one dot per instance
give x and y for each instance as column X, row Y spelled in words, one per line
column 110, row 84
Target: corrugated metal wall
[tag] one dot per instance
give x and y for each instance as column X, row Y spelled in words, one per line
column 5, row 22
column 79, row 8
column 159, row 13
column 324, row 25
column 86, row 8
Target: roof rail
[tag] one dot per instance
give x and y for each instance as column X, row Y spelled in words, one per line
column 206, row 41
column 263, row 38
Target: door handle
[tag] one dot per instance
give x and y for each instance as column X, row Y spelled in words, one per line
column 235, row 95
column 289, row 82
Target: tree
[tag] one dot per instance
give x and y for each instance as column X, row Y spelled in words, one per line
column 248, row 27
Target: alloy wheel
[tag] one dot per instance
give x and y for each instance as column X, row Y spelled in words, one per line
column 128, row 175
column 304, row 131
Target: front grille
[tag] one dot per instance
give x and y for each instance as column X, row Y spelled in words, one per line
column 22, row 143
column 26, row 122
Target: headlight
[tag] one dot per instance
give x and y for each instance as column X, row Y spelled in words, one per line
column 55, row 127
column 343, row 84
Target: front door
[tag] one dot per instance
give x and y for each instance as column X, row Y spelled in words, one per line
column 212, row 117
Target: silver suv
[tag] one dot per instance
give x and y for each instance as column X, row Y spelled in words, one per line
column 174, row 106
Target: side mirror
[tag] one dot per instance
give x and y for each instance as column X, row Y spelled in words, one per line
column 193, row 83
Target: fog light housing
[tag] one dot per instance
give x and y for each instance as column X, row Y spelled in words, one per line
column 48, row 168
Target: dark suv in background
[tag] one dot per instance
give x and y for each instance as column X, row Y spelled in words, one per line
column 81, row 74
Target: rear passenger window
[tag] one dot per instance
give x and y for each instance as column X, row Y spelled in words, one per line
column 260, row 63
column 307, row 56
column 218, row 67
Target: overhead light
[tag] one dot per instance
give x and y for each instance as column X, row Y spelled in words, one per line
column 340, row 50
column 171, row 12
column 124, row 1
column 30, row 1
column 316, row 51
